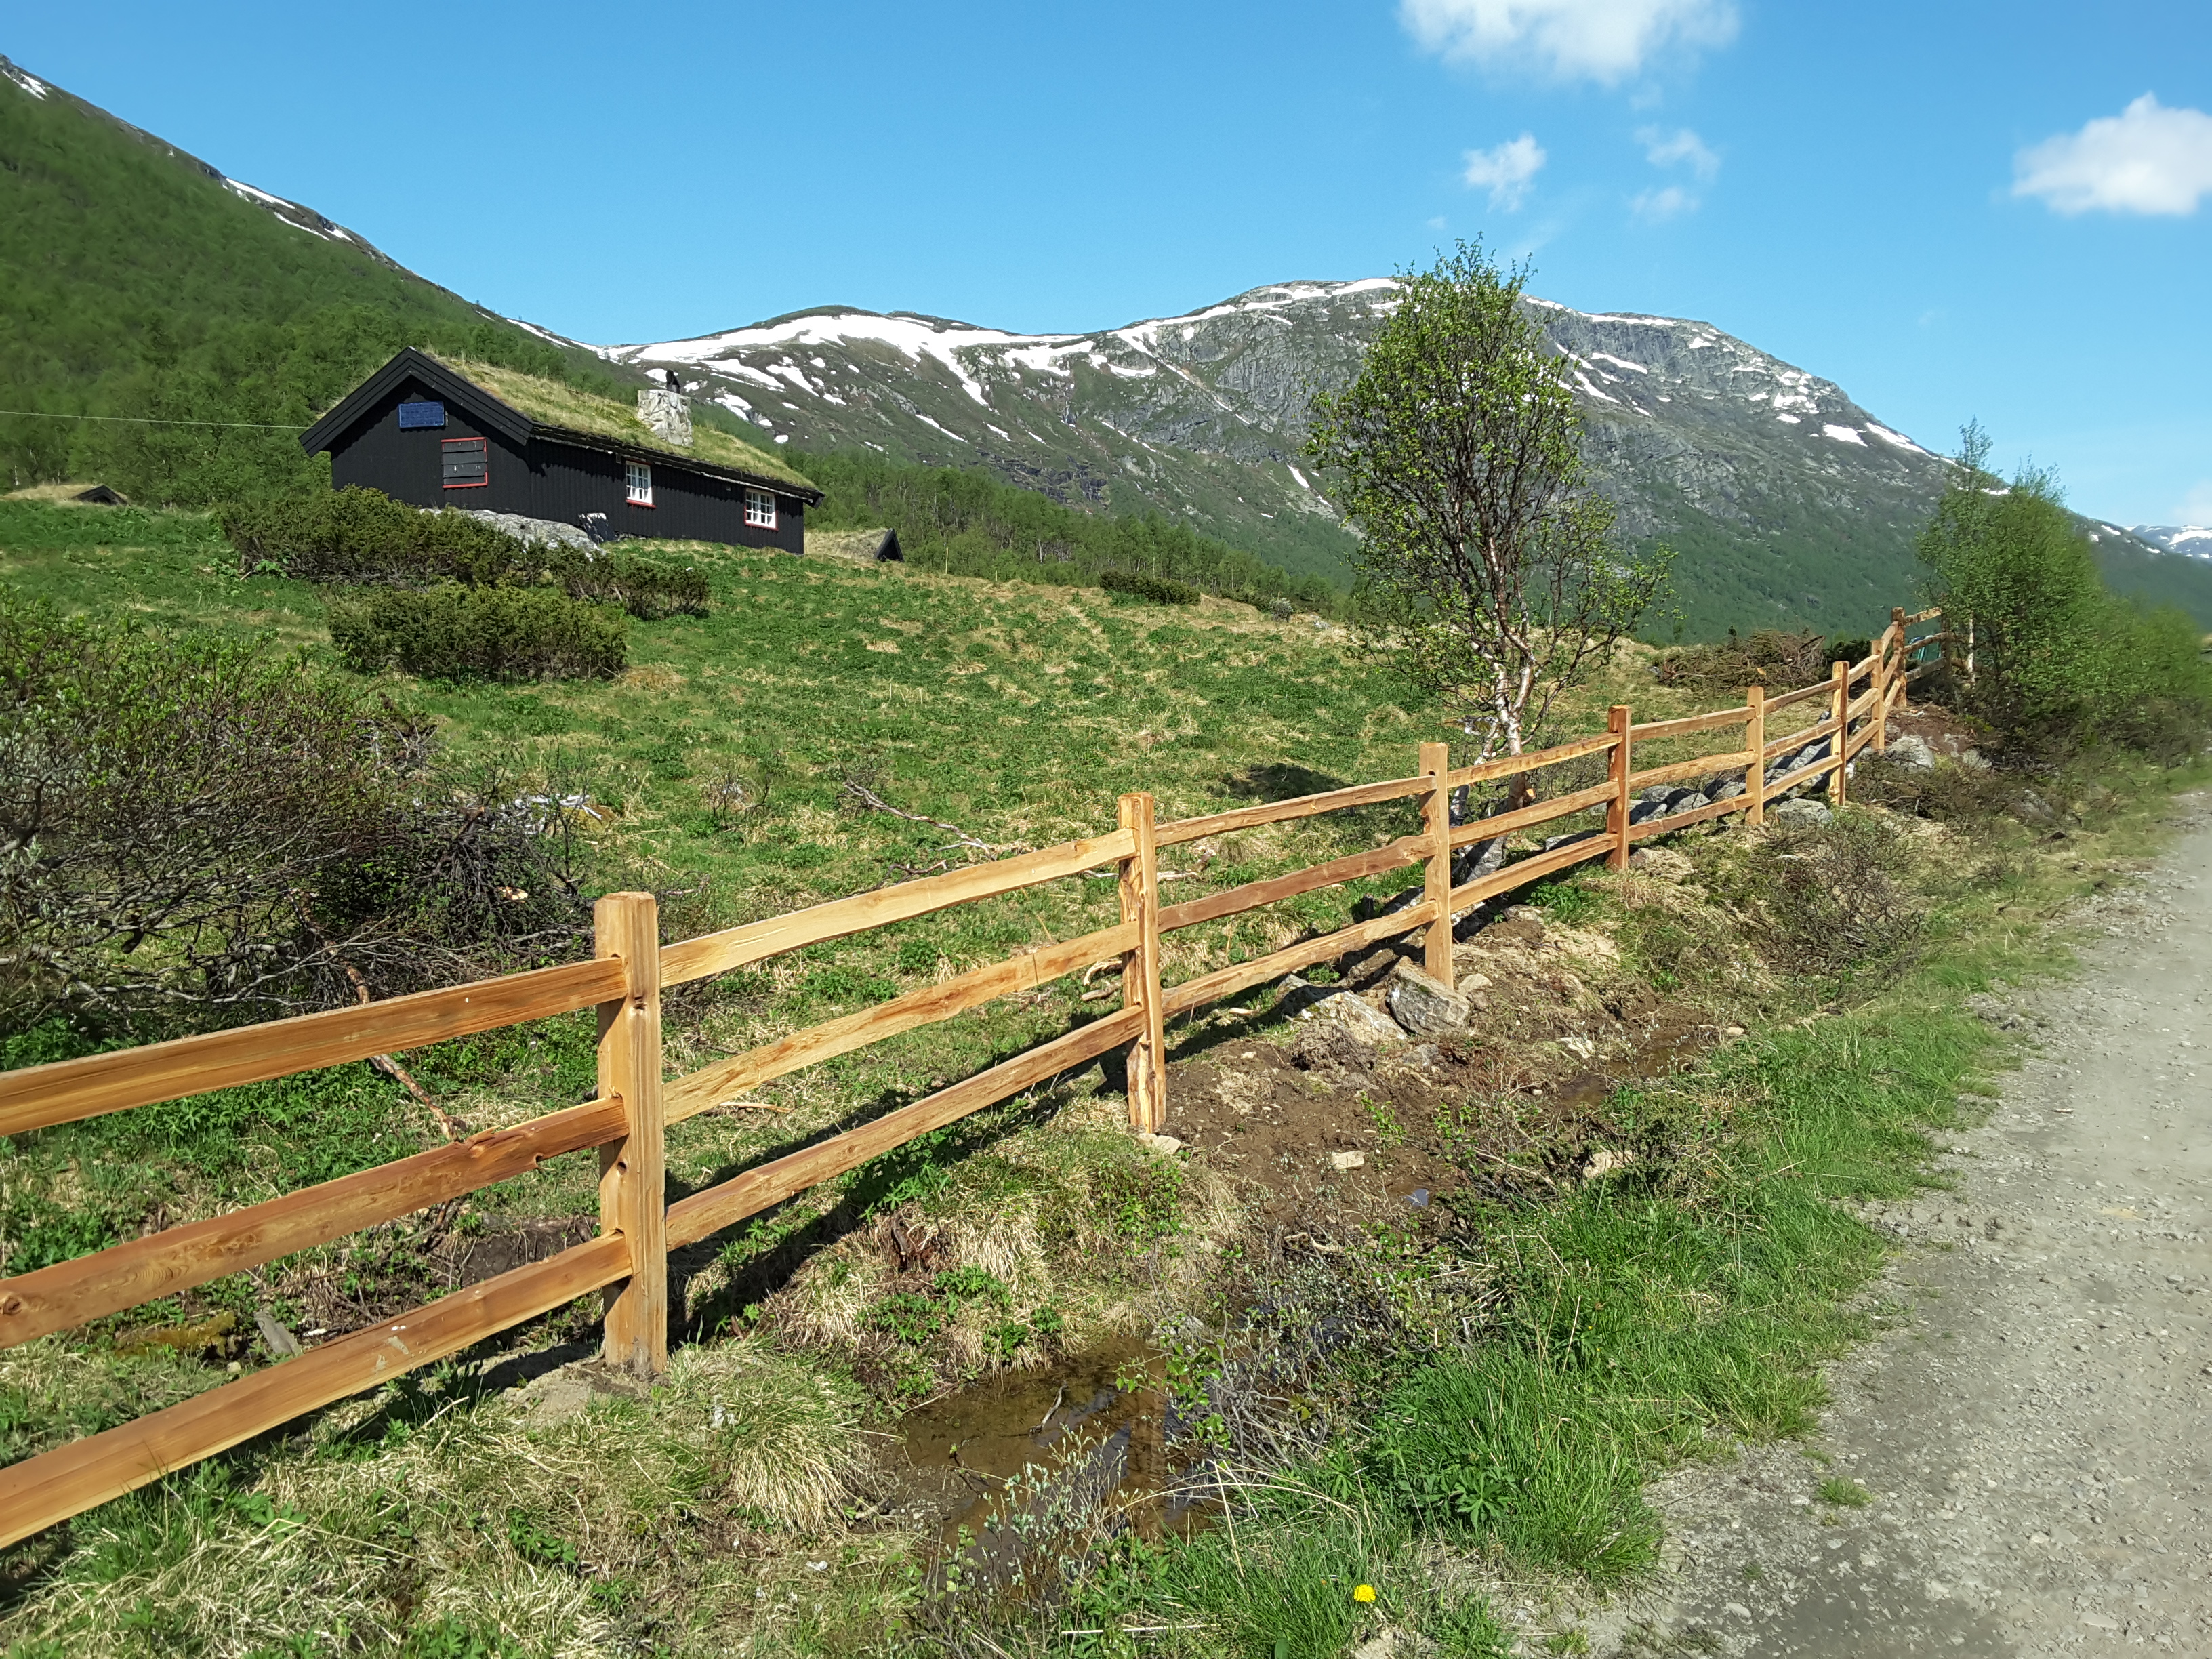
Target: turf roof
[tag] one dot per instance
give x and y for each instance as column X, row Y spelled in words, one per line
column 553, row 403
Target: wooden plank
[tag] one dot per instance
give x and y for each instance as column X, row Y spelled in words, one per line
column 1406, row 849
column 1436, row 873
column 769, row 1184
column 68, row 1090
column 688, row 1097
column 1505, row 823
column 1532, row 868
column 70, row 1293
column 1802, row 694
column 1839, row 707
column 1298, row 806
column 39, row 1492
column 1924, row 668
column 1673, row 821
column 634, row 1169
column 1227, row 981
column 1689, row 768
column 1865, row 700
column 1654, row 729
column 1506, row 766
column 1929, row 615
column 734, row 947
column 1139, row 891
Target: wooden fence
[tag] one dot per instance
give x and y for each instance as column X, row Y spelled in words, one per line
column 629, row 1120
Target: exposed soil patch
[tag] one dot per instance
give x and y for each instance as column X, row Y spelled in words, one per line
column 1514, row 1105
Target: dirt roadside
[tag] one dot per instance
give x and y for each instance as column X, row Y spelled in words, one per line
column 2034, row 1425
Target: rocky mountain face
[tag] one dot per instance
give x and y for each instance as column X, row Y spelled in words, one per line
column 1786, row 503
column 1786, row 500
column 2191, row 541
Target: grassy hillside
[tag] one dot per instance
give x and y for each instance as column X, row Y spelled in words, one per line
column 759, row 1500
column 139, row 285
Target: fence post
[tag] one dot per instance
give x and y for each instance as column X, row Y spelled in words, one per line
column 1903, row 678
column 633, row 1178
column 1839, row 703
column 1140, row 888
column 1436, row 886
column 1616, row 814
column 1754, row 775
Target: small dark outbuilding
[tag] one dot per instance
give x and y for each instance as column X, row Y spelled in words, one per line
column 101, row 496
column 438, row 434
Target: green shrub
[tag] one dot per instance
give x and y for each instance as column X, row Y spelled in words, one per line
column 479, row 633
column 363, row 536
column 1159, row 590
column 649, row 592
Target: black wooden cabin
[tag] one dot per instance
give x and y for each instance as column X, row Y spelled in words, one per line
column 427, row 432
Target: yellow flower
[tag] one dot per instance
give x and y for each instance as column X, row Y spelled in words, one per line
column 1362, row 1592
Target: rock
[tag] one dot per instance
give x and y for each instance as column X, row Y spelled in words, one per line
column 1799, row 811
column 1662, row 863
column 1689, row 801
column 1369, row 908
column 1909, row 750
column 1657, row 791
column 1973, row 761
column 1566, row 841
column 1158, row 1145
column 282, row 1342
column 532, row 532
column 1473, row 982
column 1645, row 811
column 1728, row 791
column 2034, row 811
column 1423, row 1005
column 1579, row 1046
column 1295, row 994
column 1604, row 1161
column 1419, row 1198
column 1358, row 1019
column 1341, row 1162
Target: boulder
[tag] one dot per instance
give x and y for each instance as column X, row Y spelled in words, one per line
column 1657, row 792
column 1423, row 1005
column 1689, row 800
column 1799, row 811
column 1361, row 1021
column 1909, row 750
column 1728, row 791
column 533, row 532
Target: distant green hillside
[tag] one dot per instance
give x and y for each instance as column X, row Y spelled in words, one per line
column 140, row 283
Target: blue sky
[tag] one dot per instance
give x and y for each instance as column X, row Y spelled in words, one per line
column 1952, row 209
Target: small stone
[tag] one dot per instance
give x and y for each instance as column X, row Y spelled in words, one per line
column 1422, row 1004
column 1688, row 801
column 1579, row 1046
column 1736, row 1610
column 1419, row 1198
column 1474, row 981
column 1604, row 1161
column 1341, row 1162
column 1158, row 1145
column 1801, row 811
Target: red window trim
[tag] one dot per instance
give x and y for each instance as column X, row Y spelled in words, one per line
column 445, row 443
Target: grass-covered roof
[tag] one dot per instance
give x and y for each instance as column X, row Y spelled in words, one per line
column 554, row 403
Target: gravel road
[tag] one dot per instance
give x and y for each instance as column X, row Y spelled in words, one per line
column 2035, row 1427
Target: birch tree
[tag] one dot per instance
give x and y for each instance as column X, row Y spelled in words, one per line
column 1490, row 574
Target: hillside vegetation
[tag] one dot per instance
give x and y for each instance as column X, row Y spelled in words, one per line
column 1612, row 1268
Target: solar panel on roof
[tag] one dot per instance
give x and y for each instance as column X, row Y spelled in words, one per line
column 421, row 414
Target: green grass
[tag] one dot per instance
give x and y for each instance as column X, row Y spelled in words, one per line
column 1844, row 1494
column 1665, row 1312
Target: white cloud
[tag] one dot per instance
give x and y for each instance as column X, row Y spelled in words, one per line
column 1666, row 150
column 1657, row 206
column 2147, row 159
column 1506, row 170
column 1603, row 41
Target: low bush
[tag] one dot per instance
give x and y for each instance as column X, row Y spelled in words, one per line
column 1831, row 898
column 364, row 538
column 1771, row 657
column 1157, row 590
column 194, row 830
column 479, row 633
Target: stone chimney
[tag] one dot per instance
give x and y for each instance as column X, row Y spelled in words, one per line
column 667, row 413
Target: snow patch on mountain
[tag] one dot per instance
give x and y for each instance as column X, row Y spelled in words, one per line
column 2190, row 540
column 29, row 82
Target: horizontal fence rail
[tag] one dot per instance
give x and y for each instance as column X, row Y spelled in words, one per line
column 629, row 1121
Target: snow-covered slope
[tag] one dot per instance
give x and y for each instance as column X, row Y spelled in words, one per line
column 2190, row 540
column 1786, row 496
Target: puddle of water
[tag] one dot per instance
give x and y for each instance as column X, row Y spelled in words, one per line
column 1098, row 1423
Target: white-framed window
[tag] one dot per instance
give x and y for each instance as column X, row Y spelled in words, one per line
column 640, row 483
column 760, row 509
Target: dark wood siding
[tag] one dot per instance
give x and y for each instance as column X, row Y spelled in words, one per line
column 544, row 479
